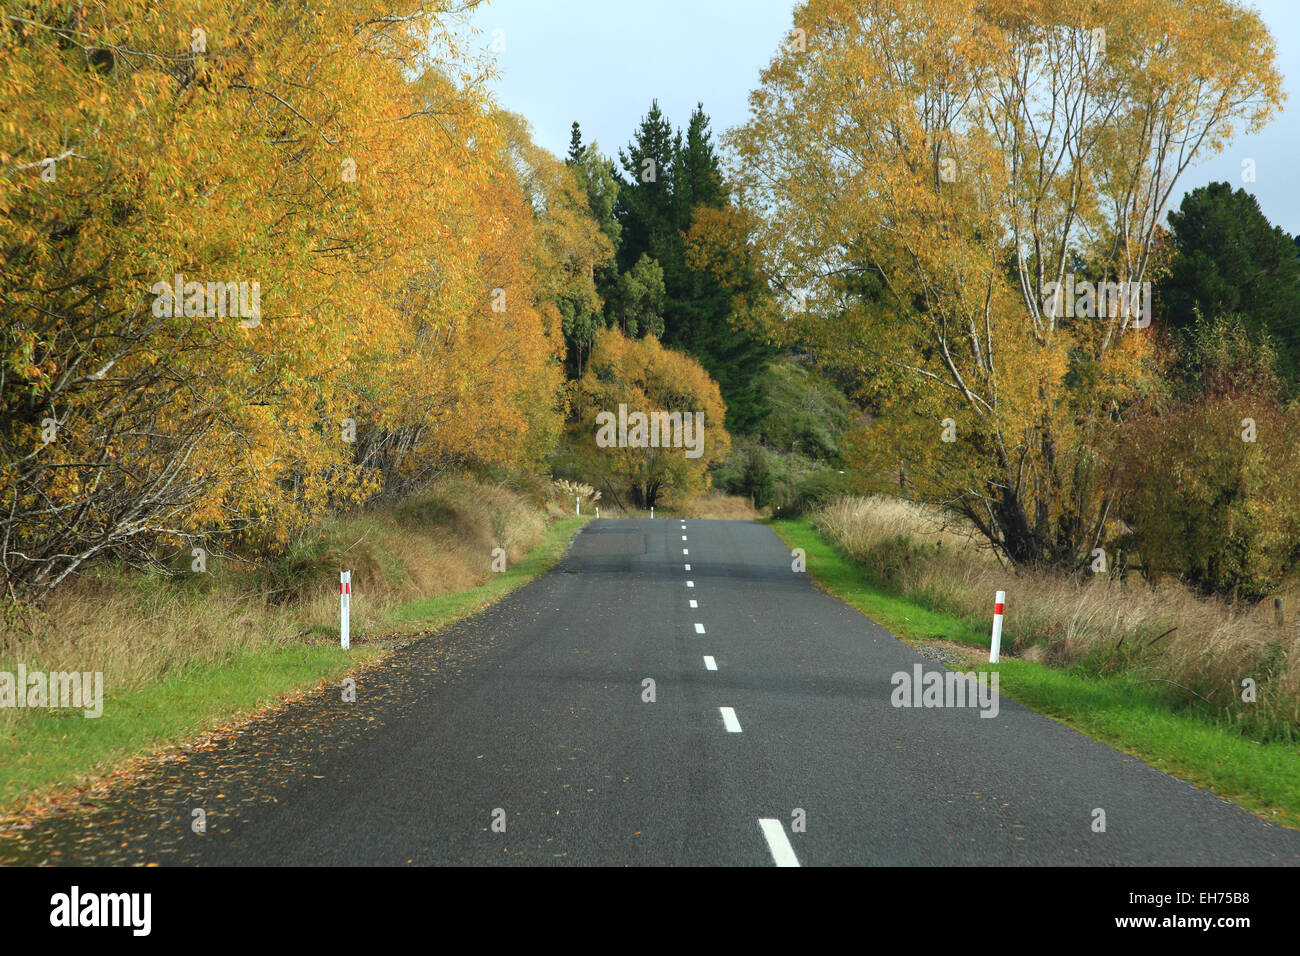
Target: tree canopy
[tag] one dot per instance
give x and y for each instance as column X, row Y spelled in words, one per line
column 925, row 171
column 1228, row 259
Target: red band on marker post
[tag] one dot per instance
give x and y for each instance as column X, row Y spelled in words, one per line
column 345, row 608
column 995, row 643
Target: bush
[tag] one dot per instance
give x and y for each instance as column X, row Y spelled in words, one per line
column 811, row 492
column 1209, row 481
column 806, row 414
column 756, row 478
column 1212, row 500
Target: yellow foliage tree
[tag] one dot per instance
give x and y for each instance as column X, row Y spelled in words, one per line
column 930, row 170
column 646, row 417
column 331, row 194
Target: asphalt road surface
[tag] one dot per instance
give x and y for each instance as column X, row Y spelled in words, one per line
column 525, row 735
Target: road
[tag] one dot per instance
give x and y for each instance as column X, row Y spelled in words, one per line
column 537, row 708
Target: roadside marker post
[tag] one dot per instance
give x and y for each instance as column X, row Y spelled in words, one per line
column 652, row 512
column 577, row 507
column 345, row 608
column 597, row 511
column 999, row 604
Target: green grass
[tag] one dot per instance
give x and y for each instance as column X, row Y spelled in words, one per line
column 60, row 747
column 1135, row 718
column 54, row 748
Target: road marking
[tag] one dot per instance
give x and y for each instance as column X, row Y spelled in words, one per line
column 699, row 628
column 683, row 537
column 694, row 603
column 690, row 584
column 686, row 550
column 729, row 720
column 778, row 843
column 709, row 663
column 688, row 567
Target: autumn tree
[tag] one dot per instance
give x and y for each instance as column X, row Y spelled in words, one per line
column 570, row 243
column 927, row 169
column 681, row 432
column 341, row 165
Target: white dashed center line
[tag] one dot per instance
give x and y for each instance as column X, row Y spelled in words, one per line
column 690, row 584
column 778, row 843
column 709, row 663
column 686, row 551
column 695, row 604
column 699, row 628
column 683, row 537
column 729, row 720
column 688, row 567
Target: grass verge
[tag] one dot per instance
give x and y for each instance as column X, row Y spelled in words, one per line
column 1135, row 718
column 53, row 750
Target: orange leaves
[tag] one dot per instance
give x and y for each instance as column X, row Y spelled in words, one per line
column 323, row 153
column 716, row 242
column 626, row 377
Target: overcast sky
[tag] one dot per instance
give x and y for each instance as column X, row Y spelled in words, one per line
column 601, row 62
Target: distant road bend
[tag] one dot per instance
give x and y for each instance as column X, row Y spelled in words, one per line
column 526, row 735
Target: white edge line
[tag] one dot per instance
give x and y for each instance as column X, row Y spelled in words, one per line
column 778, row 843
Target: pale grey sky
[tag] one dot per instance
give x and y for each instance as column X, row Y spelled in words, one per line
column 601, row 62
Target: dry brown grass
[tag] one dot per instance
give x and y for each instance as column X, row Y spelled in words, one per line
column 713, row 506
column 136, row 628
column 718, row 507
column 1155, row 633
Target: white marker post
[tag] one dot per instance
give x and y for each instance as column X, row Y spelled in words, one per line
column 597, row 511
column 577, row 507
column 345, row 607
column 652, row 512
column 999, row 603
